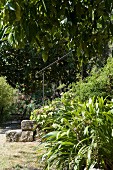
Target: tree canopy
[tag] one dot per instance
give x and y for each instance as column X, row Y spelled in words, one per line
column 83, row 25
column 21, row 66
column 32, row 30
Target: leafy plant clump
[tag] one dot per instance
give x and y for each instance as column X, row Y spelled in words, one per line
column 7, row 94
column 80, row 134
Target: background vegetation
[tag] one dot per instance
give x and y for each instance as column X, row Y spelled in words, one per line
column 7, row 94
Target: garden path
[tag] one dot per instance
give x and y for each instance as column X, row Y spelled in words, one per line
column 17, row 155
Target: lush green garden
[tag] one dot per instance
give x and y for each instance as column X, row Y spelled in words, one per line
column 78, row 127
column 75, row 119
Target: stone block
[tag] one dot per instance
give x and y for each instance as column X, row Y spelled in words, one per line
column 28, row 125
column 26, row 136
column 13, row 135
column 37, row 135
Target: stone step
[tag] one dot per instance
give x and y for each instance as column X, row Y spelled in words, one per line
column 19, row 136
column 28, row 125
column 25, row 134
column 13, row 135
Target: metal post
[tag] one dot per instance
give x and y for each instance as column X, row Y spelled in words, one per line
column 42, row 71
column 43, row 88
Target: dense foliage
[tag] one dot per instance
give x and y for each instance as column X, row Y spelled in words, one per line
column 85, row 26
column 7, row 94
column 78, row 134
column 21, row 67
column 32, row 30
column 99, row 83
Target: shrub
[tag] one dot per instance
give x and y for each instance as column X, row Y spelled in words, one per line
column 81, row 136
column 7, row 94
column 45, row 115
column 99, row 83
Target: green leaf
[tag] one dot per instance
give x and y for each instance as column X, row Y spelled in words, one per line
column 86, row 131
column 51, row 134
column 10, row 38
column 44, row 5
column 18, row 12
column 64, row 21
column 67, row 143
column 44, row 56
column 10, row 6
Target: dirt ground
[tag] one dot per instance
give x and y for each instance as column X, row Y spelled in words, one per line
column 19, row 155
